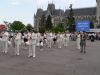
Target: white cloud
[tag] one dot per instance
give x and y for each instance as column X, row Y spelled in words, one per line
column 19, row 2
column 60, row 3
column 72, row 1
column 15, row 3
column 40, row 2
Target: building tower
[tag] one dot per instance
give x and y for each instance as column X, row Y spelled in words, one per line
column 98, row 10
column 51, row 8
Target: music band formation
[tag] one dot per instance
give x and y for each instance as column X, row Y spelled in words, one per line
column 32, row 40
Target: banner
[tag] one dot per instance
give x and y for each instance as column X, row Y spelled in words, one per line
column 83, row 25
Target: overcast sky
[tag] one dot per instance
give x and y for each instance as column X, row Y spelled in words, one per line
column 23, row 10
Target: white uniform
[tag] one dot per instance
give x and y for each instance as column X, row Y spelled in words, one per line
column 5, row 42
column 38, row 39
column 78, row 41
column 41, row 40
column 32, row 45
column 0, row 43
column 54, row 39
column 17, row 43
column 68, row 37
column 28, row 36
column 45, row 39
column 65, row 40
column 60, row 40
column 49, row 39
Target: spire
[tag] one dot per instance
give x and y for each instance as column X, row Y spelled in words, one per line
column 65, row 9
column 48, row 1
column 70, row 6
column 52, row 1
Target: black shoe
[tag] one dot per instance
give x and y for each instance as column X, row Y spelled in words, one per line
column 84, row 51
column 29, row 56
column 81, row 51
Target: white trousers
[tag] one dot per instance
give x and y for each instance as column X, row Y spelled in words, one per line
column 60, row 43
column 65, row 42
column 17, row 47
column 5, row 46
column 49, row 43
column 32, row 49
column 78, row 44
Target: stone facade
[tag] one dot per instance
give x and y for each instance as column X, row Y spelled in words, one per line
column 59, row 15
column 98, row 10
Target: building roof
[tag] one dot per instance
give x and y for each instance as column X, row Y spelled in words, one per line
column 82, row 11
column 60, row 12
column 57, row 12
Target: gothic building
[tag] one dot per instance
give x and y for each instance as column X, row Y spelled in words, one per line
column 98, row 10
column 59, row 15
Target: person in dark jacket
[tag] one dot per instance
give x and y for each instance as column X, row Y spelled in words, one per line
column 83, row 38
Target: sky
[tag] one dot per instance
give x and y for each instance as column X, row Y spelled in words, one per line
column 24, row 10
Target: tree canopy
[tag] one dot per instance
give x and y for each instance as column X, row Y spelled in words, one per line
column 17, row 26
column 49, row 23
column 29, row 27
column 71, row 20
column 59, row 28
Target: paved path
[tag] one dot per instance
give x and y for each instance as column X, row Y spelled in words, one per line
column 54, row 61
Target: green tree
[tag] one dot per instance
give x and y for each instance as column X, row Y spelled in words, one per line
column 49, row 23
column 17, row 26
column 91, row 25
column 71, row 20
column 9, row 29
column 29, row 27
column 92, row 22
column 98, row 26
column 59, row 28
column 24, row 29
column 41, row 30
column 42, row 24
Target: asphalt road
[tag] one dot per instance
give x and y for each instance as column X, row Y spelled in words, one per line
column 54, row 61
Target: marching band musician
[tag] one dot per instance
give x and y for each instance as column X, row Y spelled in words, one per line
column 17, row 42
column 38, row 39
column 49, row 39
column 32, row 45
column 60, row 40
column 83, row 38
column 5, row 37
column 78, row 41
column 65, row 40
column 68, row 38
column 41, row 42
